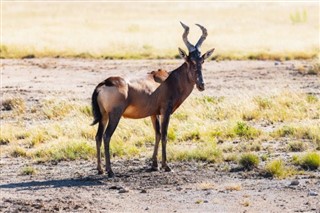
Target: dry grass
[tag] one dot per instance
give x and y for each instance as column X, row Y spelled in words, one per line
column 233, row 187
column 205, row 129
column 206, row 186
column 55, row 29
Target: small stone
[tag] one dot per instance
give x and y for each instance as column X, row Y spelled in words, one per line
column 143, row 191
column 294, row 183
column 312, row 193
column 115, row 187
column 179, row 188
column 123, row 190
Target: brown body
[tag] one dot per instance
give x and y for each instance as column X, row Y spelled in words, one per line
column 158, row 94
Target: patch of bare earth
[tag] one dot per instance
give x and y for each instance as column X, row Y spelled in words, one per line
column 74, row 186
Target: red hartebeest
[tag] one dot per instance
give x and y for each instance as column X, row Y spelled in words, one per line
column 159, row 94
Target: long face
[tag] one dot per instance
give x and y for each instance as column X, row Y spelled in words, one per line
column 195, row 63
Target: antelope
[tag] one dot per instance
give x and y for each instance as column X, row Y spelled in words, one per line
column 158, row 97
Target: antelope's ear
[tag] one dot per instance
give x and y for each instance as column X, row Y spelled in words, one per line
column 207, row 54
column 183, row 54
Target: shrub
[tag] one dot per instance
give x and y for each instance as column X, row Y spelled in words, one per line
column 14, row 104
column 249, row 161
column 28, row 170
column 242, row 129
column 296, row 146
column 310, row 161
column 18, row 152
column 277, row 168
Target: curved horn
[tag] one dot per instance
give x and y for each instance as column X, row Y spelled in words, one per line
column 203, row 37
column 185, row 39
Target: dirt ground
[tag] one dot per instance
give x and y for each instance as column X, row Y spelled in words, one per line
column 74, row 186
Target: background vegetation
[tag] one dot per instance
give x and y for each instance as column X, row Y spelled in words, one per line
column 151, row 30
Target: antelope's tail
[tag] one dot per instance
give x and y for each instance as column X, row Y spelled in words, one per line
column 95, row 108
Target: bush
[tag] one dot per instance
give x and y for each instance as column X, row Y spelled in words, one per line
column 277, row 168
column 249, row 161
column 17, row 104
column 296, row 146
column 28, row 170
column 242, row 129
column 310, row 161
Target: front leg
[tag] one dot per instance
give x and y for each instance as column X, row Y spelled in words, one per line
column 156, row 127
column 164, row 130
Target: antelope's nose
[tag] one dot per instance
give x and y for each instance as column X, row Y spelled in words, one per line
column 200, row 86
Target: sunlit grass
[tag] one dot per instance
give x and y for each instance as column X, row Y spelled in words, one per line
column 64, row 150
column 28, row 170
column 102, row 31
column 277, row 168
column 309, row 161
column 207, row 152
column 207, row 128
column 249, row 161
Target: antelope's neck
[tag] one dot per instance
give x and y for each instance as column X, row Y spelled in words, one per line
column 183, row 86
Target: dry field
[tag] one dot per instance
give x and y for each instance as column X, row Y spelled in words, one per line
column 152, row 30
column 249, row 142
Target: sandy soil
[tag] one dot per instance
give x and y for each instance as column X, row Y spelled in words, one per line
column 193, row 187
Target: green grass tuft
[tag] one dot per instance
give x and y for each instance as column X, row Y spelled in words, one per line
column 310, row 161
column 68, row 150
column 249, row 161
column 206, row 151
column 18, row 152
column 277, row 168
column 28, row 170
column 242, row 129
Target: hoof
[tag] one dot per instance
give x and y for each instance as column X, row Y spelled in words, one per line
column 110, row 174
column 153, row 169
column 167, row 169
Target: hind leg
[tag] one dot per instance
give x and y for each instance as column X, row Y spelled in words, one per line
column 114, row 118
column 101, row 128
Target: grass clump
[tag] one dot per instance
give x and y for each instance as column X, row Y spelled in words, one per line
column 69, row 150
column 207, row 152
column 310, row 161
column 28, row 170
column 86, row 110
column 18, row 152
column 314, row 69
column 242, row 129
column 310, row 132
column 277, row 168
column 56, row 109
column 297, row 146
column 299, row 17
column 249, row 161
column 17, row 104
column 38, row 136
column 263, row 103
